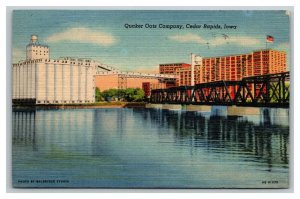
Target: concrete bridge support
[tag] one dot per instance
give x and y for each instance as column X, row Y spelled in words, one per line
column 241, row 111
column 201, row 108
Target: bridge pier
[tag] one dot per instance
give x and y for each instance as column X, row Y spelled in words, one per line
column 165, row 106
column 172, row 106
column 242, row 111
column 201, row 108
column 157, row 106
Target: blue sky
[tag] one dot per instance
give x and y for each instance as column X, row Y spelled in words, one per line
column 101, row 34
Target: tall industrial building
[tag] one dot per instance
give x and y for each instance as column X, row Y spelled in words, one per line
column 228, row 68
column 34, row 50
column 184, row 76
column 235, row 67
column 41, row 80
column 171, row 67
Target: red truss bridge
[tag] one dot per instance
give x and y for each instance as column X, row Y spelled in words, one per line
column 272, row 90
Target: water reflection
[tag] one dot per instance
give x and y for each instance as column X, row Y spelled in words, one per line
column 261, row 142
column 51, row 129
column 23, row 128
column 150, row 147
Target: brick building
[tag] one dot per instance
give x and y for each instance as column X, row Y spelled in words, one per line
column 171, row 67
column 235, row 67
column 184, row 76
column 123, row 81
column 231, row 67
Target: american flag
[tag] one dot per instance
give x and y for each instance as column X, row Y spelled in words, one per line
column 270, row 38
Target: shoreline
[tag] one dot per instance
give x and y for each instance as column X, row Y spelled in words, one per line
column 82, row 106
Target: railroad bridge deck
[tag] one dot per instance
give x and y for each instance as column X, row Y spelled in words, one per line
column 272, row 90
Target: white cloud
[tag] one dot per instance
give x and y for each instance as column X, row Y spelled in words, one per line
column 18, row 55
column 83, row 35
column 187, row 38
column 218, row 41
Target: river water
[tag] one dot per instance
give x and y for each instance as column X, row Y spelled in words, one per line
column 149, row 148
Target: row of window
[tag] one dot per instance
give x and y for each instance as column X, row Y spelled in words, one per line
column 171, row 65
column 73, row 101
column 40, row 51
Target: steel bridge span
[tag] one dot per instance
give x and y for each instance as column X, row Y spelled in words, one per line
column 272, row 90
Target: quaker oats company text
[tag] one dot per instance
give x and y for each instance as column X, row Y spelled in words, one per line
column 180, row 27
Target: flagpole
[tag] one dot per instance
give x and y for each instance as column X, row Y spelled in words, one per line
column 269, row 39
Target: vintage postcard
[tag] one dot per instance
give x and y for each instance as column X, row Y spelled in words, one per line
column 151, row 98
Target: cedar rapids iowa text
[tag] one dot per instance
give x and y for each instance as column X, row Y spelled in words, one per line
column 177, row 26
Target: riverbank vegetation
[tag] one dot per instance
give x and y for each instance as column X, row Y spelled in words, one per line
column 124, row 95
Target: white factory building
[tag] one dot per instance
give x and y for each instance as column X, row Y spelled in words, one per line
column 41, row 80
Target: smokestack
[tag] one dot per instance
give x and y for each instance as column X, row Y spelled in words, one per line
column 192, row 69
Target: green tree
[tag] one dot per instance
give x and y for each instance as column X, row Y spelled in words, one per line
column 121, row 94
column 134, row 94
column 98, row 95
column 129, row 94
column 139, row 95
column 109, row 94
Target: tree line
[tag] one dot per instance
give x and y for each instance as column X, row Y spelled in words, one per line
column 128, row 95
